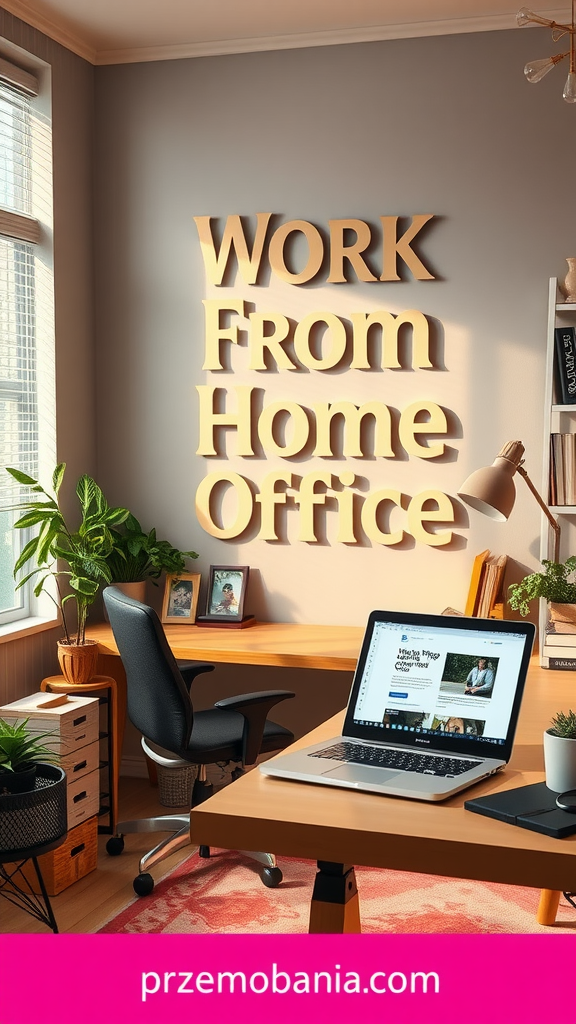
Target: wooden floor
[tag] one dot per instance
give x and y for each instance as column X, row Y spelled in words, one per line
column 89, row 903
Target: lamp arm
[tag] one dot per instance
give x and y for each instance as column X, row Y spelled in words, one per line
column 553, row 522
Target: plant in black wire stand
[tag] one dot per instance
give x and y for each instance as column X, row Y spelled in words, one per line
column 21, row 751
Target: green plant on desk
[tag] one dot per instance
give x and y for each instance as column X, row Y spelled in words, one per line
column 564, row 725
column 136, row 556
column 553, row 584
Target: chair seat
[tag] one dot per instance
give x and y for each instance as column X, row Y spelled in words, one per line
column 217, row 736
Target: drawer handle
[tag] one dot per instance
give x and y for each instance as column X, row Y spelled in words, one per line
column 80, row 796
column 78, row 738
column 80, row 766
column 78, row 721
column 77, row 849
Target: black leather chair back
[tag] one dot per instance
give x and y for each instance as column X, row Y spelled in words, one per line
column 158, row 701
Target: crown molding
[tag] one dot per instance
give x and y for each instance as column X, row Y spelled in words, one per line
column 331, row 37
column 53, row 29
column 221, row 47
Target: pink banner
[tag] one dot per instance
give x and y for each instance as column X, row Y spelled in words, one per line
column 63, row 979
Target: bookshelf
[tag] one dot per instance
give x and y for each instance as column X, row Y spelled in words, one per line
column 559, row 419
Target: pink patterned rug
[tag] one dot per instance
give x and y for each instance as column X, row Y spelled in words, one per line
column 225, row 894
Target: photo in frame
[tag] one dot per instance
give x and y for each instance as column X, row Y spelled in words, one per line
column 181, row 597
column 226, row 593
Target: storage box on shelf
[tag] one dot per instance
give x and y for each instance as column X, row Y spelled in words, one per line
column 74, row 724
column 559, row 462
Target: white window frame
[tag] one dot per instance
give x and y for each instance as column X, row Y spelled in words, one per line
column 32, row 78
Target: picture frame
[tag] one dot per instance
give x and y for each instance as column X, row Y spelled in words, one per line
column 181, row 594
column 227, row 587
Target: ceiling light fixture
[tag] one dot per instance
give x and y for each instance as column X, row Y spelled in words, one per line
column 536, row 69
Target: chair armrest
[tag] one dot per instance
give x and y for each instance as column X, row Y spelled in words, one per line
column 254, row 708
column 190, row 669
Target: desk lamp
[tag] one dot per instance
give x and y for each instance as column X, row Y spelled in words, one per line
column 491, row 490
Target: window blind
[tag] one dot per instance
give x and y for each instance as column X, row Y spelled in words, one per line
column 27, row 414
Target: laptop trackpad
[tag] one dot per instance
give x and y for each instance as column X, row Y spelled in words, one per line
column 361, row 773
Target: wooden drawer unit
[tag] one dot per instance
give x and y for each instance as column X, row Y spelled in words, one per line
column 83, row 798
column 74, row 721
column 73, row 860
column 81, row 762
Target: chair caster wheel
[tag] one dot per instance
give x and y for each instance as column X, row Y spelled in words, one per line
column 204, row 851
column 271, row 877
column 143, row 884
column 114, row 846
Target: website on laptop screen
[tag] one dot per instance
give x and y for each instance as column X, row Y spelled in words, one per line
column 439, row 681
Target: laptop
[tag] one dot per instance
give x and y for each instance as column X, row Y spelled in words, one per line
column 433, row 708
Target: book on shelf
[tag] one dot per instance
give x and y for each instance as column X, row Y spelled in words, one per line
column 485, row 591
column 563, row 469
column 565, row 365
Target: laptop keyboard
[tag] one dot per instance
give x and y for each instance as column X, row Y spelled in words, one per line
column 405, row 760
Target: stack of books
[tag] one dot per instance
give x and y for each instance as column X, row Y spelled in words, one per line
column 563, row 469
column 560, row 648
column 485, row 599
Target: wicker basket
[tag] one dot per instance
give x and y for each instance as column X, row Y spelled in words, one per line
column 175, row 785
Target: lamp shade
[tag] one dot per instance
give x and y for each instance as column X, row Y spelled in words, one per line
column 491, row 490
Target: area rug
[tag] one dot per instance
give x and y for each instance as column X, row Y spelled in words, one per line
column 225, row 895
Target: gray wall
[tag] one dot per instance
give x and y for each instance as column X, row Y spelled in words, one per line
column 445, row 125
column 23, row 663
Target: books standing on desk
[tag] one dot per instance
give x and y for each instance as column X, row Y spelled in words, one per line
column 485, row 599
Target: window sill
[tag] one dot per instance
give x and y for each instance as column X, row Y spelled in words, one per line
column 26, row 627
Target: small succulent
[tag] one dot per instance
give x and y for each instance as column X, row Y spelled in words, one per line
column 21, row 749
column 564, row 725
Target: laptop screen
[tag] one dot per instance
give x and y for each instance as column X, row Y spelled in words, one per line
column 446, row 682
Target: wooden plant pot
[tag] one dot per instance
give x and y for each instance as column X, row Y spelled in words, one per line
column 563, row 617
column 135, row 590
column 78, row 661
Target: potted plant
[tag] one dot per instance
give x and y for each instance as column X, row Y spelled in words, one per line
column 33, row 807
column 137, row 556
column 560, row 752
column 21, row 751
column 82, row 551
column 557, row 585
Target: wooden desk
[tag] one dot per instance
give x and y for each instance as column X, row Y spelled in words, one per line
column 288, row 644
column 344, row 827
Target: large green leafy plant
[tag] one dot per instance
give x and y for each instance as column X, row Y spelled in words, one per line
column 137, row 556
column 554, row 584
column 83, row 550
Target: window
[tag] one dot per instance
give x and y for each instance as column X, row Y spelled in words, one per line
column 27, row 393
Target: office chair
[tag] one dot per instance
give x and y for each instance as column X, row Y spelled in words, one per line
column 173, row 735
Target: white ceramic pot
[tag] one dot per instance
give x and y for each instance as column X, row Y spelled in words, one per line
column 559, row 762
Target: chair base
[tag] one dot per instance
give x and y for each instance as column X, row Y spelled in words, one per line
column 178, row 825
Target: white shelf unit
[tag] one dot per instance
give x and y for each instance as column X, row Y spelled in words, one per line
column 561, row 419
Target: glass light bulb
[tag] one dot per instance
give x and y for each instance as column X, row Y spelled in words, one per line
column 569, row 93
column 536, row 69
column 558, row 32
column 524, row 16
